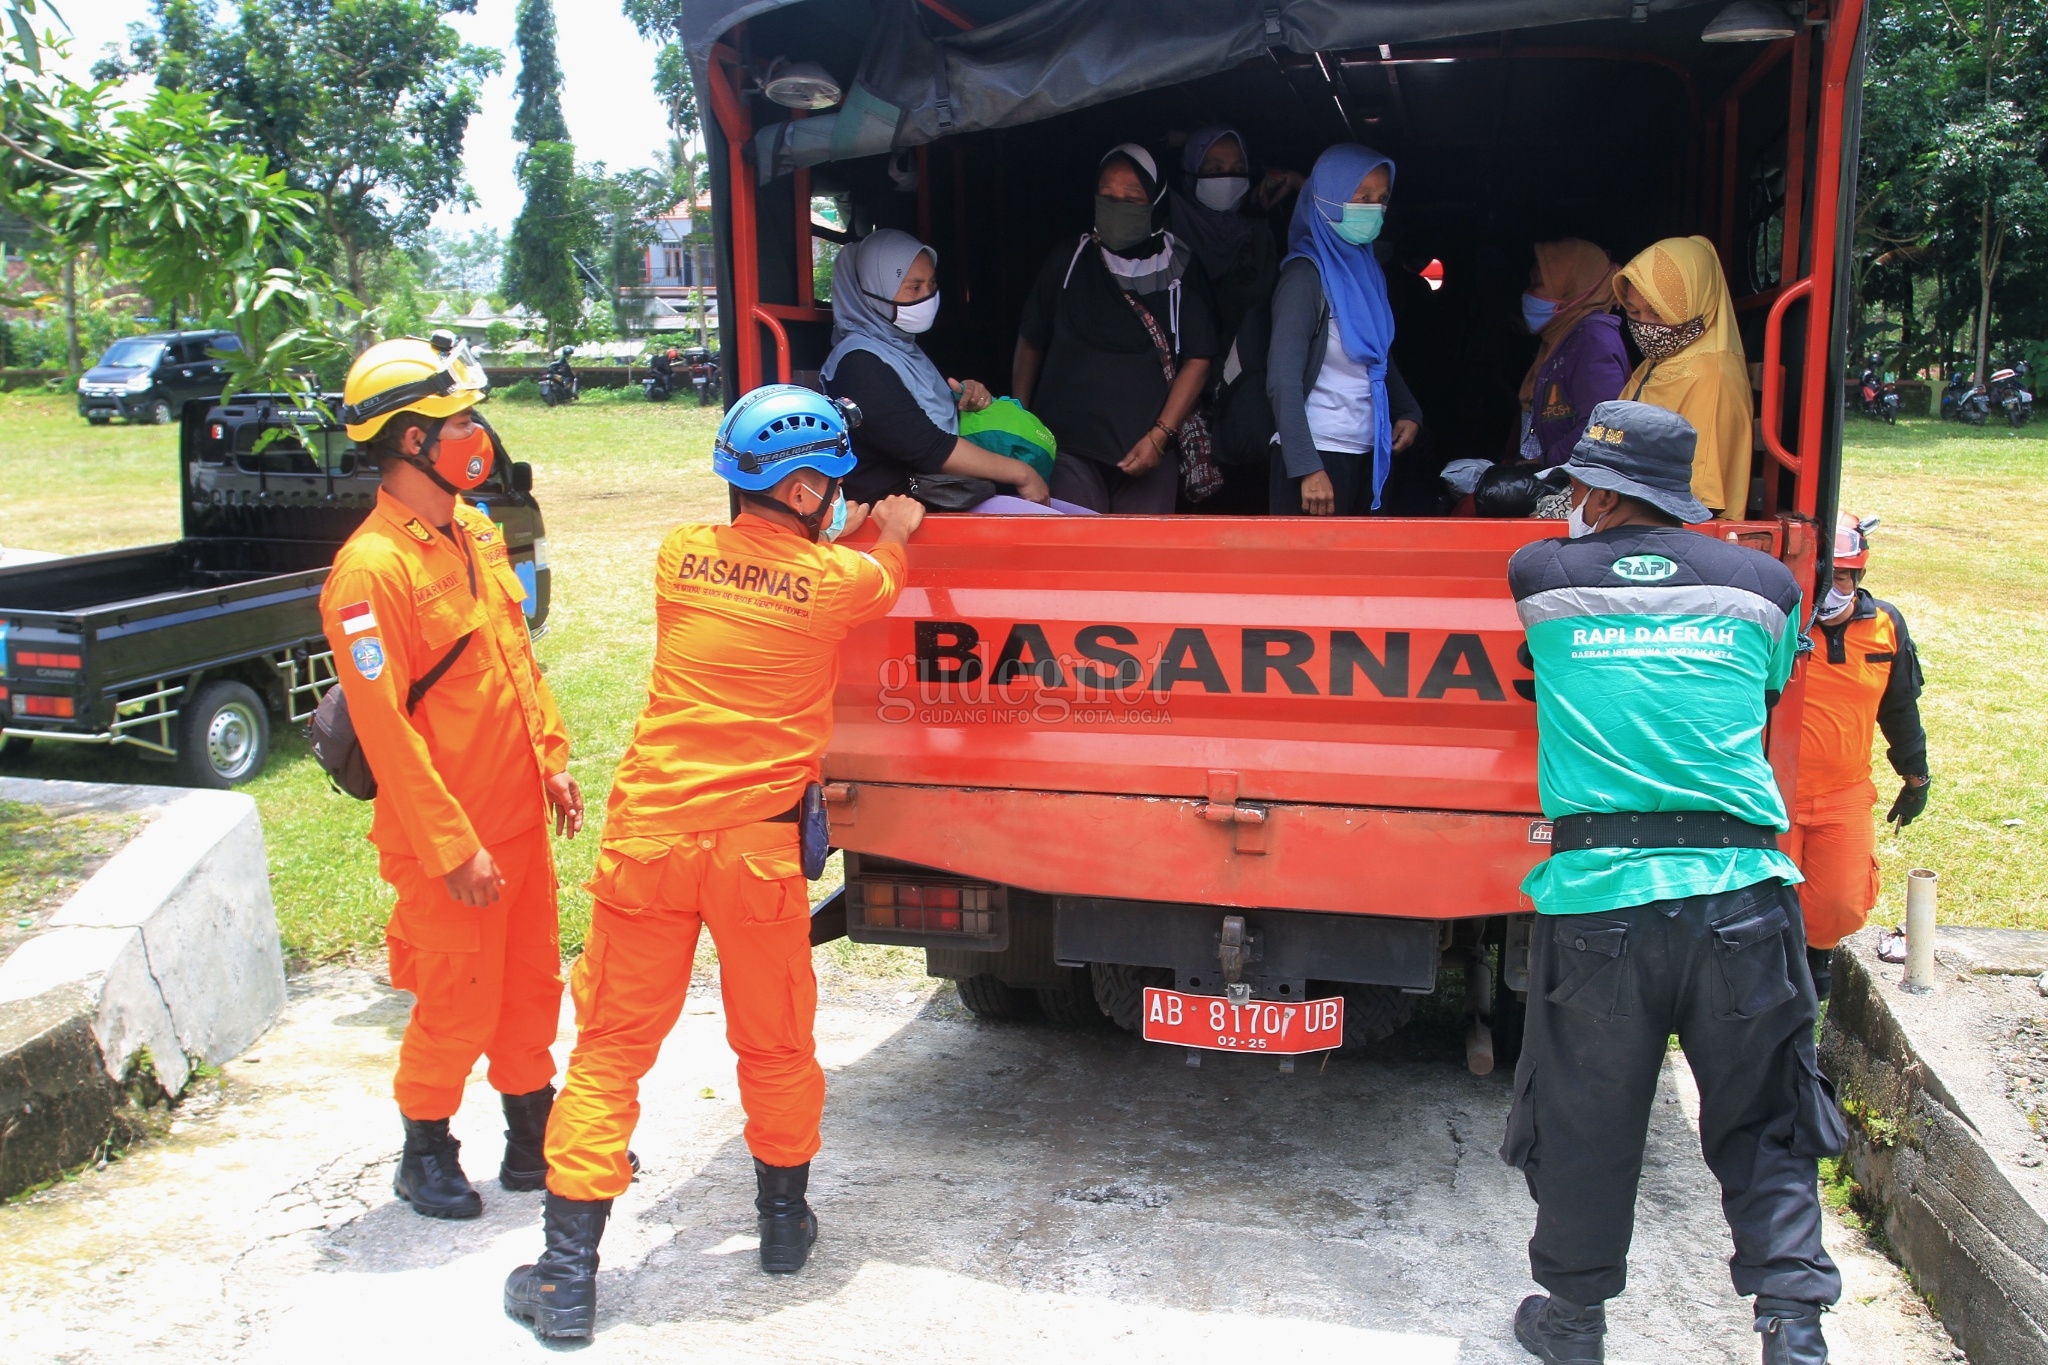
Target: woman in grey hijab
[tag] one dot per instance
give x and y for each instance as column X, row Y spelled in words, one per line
column 884, row 294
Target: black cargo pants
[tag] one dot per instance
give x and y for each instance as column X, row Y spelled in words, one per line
column 1727, row 974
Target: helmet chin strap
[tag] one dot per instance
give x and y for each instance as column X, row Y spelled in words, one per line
column 811, row 520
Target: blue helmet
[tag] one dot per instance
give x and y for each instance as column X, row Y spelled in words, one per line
column 781, row 428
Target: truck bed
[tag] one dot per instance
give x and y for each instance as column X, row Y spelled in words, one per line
column 153, row 614
column 123, row 580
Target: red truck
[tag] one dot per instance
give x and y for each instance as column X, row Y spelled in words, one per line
column 1237, row 782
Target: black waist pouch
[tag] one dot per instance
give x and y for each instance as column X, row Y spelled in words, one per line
column 814, row 832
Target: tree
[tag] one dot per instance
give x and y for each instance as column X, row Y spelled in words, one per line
column 556, row 225
column 558, row 220
column 1953, row 196
column 467, row 266
column 662, row 21
column 361, row 103
column 164, row 196
column 539, row 86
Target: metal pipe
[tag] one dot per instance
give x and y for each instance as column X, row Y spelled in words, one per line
column 1919, row 930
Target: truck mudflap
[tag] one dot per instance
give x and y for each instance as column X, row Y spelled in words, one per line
column 1414, row 864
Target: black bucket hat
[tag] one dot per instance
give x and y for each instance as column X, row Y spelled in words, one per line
column 1641, row 451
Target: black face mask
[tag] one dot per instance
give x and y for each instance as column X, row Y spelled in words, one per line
column 1119, row 226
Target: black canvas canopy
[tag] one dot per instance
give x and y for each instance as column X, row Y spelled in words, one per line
column 920, row 77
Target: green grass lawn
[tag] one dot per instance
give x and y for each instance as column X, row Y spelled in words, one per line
column 1962, row 551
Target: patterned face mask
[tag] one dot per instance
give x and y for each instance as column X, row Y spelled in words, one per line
column 1658, row 340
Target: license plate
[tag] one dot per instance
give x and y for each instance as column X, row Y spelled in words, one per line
column 1256, row 1026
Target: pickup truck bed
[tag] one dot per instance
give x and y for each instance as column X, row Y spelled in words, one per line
column 183, row 651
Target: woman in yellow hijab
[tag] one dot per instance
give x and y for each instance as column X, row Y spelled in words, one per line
column 1684, row 324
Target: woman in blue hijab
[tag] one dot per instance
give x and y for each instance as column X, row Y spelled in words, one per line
column 1341, row 407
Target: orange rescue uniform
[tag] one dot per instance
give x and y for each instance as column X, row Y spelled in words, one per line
column 1862, row 674
column 462, row 771
column 748, row 621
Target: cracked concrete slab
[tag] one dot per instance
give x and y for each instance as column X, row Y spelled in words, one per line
column 987, row 1193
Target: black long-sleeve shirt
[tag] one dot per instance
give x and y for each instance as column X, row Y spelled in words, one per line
column 895, row 439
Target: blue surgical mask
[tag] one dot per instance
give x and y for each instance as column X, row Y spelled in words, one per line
column 1360, row 223
column 1537, row 312
column 836, row 527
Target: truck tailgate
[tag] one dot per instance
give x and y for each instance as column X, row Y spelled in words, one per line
column 1358, row 662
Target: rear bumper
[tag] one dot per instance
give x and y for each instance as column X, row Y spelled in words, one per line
column 1414, row 864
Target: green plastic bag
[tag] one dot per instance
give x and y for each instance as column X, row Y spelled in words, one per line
column 1007, row 428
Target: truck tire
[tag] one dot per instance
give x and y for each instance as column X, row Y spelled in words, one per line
column 1371, row 1013
column 15, row 746
column 157, row 414
column 1120, row 991
column 1072, row 1002
column 988, row 998
column 223, row 736
column 99, row 419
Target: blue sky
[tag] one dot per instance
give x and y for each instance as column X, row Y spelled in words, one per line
column 607, row 94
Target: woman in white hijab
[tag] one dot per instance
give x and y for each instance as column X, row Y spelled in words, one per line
column 884, row 294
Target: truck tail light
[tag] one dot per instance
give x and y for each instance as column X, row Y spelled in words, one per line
column 29, row 658
column 59, row 708
column 924, row 907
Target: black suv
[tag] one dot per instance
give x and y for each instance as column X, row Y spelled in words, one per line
column 148, row 378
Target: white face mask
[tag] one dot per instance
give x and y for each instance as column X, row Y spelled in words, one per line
column 1576, row 524
column 918, row 317
column 1222, row 192
column 1835, row 603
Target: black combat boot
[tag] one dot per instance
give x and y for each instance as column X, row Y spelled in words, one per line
column 1791, row 1332
column 1820, row 962
column 430, row 1174
column 557, row 1295
column 788, row 1227
column 525, row 1166
column 1560, row 1333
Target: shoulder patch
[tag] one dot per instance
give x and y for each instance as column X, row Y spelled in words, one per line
column 417, row 529
column 368, row 654
column 1644, row 568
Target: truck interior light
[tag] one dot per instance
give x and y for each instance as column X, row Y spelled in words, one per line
column 800, row 85
column 1750, row 21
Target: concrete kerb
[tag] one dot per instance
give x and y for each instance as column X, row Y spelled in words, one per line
column 1948, row 1161
column 169, row 954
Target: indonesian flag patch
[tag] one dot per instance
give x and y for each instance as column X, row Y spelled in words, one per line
column 356, row 618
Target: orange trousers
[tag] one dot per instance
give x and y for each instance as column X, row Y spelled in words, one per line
column 1835, row 845
column 485, row 982
column 747, row 885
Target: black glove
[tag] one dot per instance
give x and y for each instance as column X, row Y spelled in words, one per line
column 1912, row 800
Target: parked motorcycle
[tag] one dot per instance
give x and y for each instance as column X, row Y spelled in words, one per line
column 2008, row 394
column 1880, row 396
column 703, row 371
column 1965, row 401
column 558, row 384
